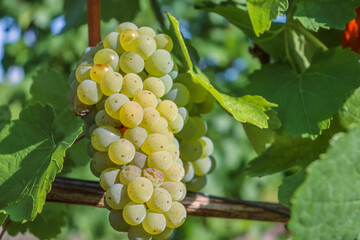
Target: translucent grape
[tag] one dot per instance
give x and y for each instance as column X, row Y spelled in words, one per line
column 213, row 164
column 117, row 221
column 83, row 71
column 134, row 213
column 127, row 37
column 121, row 151
column 89, row 130
column 112, row 41
column 103, row 136
column 154, row 223
column 159, row 63
column 142, row 75
column 202, row 166
column 151, row 118
column 155, row 176
column 174, row 151
column 116, row 196
column 207, row 146
column 155, row 142
column 99, row 71
column 174, row 72
column 140, row 190
column 101, row 161
column 184, row 114
column 154, row 85
column 126, row 25
column 160, row 201
column 189, row 130
column 168, row 110
column 197, row 93
column 103, row 119
column 139, row 160
column 138, row 233
column 201, row 128
column 176, row 215
column 132, row 84
column 190, row 150
column 161, row 160
column 111, row 83
column 144, row 45
column 89, row 92
column 179, row 94
column 165, row 234
column 177, row 190
column 89, row 52
column 136, row 135
column 114, row 103
column 101, row 104
column 129, row 173
column 167, row 81
column 107, row 56
column 164, row 41
column 206, row 105
column 147, row 31
column 131, row 62
column 131, row 114
column 109, row 177
column 93, row 171
column 145, row 99
column 197, row 183
column 175, row 172
column 189, row 172
column 176, row 125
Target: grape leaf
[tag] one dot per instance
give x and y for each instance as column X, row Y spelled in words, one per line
column 327, row 204
column 75, row 15
column 244, row 109
column 5, row 116
column 31, row 154
column 76, row 156
column 350, row 111
column 3, row 218
column 116, row 9
column 306, row 99
column 315, row 14
column 261, row 13
column 289, row 185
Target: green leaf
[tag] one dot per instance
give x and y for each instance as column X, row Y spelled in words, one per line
column 3, row 217
column 261, row 13
column 327, row 204
column 5, row 116
column 289, row 185
column 31, row 154
column 76, row 156
column 75, row 15
column 244, row 109
column 306, row 99
column 314, row 14
column 116, row 9
column 350, row 111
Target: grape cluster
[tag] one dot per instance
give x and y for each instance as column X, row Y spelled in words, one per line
column 133, row 101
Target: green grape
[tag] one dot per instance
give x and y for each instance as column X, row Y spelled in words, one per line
column 184, row 114
column 174, row 72
column 112, row 41
column 89, row 130
column 213, row 164
column 136, row 135
column 89, row 118
column 101, row 161
column 121, row 151
column 131, row 62
column 131, row 114
column 190, row 150
column 101, row 104
column 161, row 160
column 144, row 45
column 202, row 166
column 132, row 84
column 142, row 75
column 72, row 90
column 99, row 71
column 159, row 63
column 140, row 190
column 90, row 149
column 176, row 215
column 154, row 85
column 177, row 190
column 207, row 146
column 151, row 117
column 207, row 105
column 93, row 171
column 103, row 119
column 155, row 142
column 154, row 223
column 127, row 37
column 89, row 92
column 145, row 99
column 117, row 221
column 111, row 83
column 179, row 161
column 83, row 71
column 197, row 183
column 107, row 56
column 147, row 31
column 175, row 172
column 126, row 25
column 116, row 196
column 179, row 94
column 88, row 52
column 174, row 151
column 201, row 128
column 138, row 233
column 129, row 173
column 189, row 172
column 197, row 93
column 103, row 136
column 168, row 110
column 114, row 103
column 155, row 176
column 167, row 81
column 109, row 177
column 160, row 201
column 176, row 125
column 165, row 234
column 139, row 160
column 164, row 41
column 189, row 130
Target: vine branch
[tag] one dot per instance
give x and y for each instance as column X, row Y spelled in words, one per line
column 93, row 15
column 75, row 191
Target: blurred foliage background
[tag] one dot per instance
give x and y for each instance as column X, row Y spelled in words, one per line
column 51, row 34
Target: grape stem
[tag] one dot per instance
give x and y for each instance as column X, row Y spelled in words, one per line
column 93, row 14
column 5, row 227
column 75, row 191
